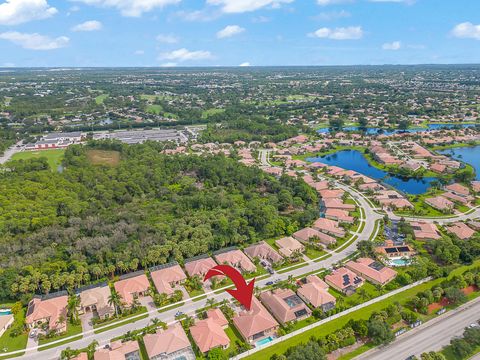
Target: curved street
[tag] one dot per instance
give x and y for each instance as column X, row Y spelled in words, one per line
column 190, row 306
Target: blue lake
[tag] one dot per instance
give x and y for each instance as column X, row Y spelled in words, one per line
column 470, row 155
column 355, row 160
column 377, row 131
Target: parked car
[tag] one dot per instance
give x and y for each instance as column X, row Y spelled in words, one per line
column 269, row 283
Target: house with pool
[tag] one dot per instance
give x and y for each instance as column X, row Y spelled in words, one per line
column 257, row 326
column 395, row 255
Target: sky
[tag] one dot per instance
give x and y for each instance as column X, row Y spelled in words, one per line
column 104, row 33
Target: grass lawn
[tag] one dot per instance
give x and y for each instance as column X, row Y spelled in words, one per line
column 115, row 321
column 103, row 157
column 357, row 352
column 173, row 306
column 71, row 331
column 355, row 299
column 154, row 109
column 313, row 252
column 291, row 267
column 233, row 335
column 54, row 156
column 101, row 98
column 210, row 112
column 8, row 343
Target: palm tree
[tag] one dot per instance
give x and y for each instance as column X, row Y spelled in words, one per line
column 115, row 300
column 92, row 348
column 210, row 303
column 362, row 293
column 187, row 322
column 73, row 304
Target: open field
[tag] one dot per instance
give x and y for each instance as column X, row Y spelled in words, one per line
column 104, row 157
column 54, row 156
column 101, row 98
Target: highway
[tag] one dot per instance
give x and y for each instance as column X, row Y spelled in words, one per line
column 189, row 307
column 431, row 336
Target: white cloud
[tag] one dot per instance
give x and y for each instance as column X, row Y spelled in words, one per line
column 197, row 15
column 133, row 8
column 139, row 52
column 229, row 31
column 186, row 55
column 261, row 19
column 167, row 38
column 168, row 64
column 332, row 15
column 466, row 30
column 339, row 33
column 332, row 2
column 35, row 41
column 91, row 25
column 395, row 45
column 241, row 6
column 244, row 64
column 14, row 12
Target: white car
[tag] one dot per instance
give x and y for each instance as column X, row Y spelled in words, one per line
column 33, row 333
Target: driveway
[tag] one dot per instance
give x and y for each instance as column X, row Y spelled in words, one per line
column 147, row 301
column 86, row 320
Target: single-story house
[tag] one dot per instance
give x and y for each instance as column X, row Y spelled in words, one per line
column 117, row 350
column 288, row 246
column 200, row 266
column 255, row 324
column 208, row 334
column 461, row 230
column 50, row 310
column 264, row 251
column 166, row 277
column 237, row 259
column 344, row 280
column 394, row 251
column 306, row 235
column 132, row 285
column 372, row 270
column 339, row 215
column 315, row 292
column 440, row 203
column 328, row 226
column 169, row 344
column 95, row 300
column 285, row 305
column 458, row 189
column 425, row 230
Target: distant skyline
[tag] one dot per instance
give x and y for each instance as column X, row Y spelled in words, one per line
column 136, row 33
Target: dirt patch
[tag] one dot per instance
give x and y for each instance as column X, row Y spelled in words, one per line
column 337, row 353
column 103, row 157
column 434, row 307
column 470, row 289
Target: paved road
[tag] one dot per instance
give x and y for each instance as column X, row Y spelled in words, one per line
column 461, row 217
column 189, row 308
column 264, row 157
column 9, row 153
column 431, row 336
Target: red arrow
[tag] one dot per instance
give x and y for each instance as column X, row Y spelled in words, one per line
column 243, row 292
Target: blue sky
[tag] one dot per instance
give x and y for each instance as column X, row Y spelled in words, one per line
column 234, row 32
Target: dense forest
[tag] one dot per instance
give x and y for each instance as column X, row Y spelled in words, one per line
column 63, row 229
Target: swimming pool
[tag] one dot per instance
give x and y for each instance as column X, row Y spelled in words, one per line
column 399, row 262
column 264, row 341
column 5, row 312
